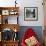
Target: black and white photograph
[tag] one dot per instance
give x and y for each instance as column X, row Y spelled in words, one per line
column 31, row 13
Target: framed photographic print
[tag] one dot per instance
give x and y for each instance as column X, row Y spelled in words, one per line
column 5, row 12
column 30, row 13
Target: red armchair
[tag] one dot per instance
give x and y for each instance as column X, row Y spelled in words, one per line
column 28, row 34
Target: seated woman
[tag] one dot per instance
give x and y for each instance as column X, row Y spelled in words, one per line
column 30, row 38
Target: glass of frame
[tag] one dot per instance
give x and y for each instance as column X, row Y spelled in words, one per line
column 5, row 12
column 30, row 13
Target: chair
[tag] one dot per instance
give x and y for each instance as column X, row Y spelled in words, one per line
column 29, row 33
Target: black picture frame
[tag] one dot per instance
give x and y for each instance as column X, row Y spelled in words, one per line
column 30, row 13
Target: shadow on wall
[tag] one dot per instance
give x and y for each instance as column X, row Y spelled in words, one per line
column 37, row 29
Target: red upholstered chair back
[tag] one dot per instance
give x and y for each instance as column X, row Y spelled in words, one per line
column 29, row 33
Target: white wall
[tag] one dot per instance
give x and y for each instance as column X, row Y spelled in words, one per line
column 32, row 3
column 6, row 3
column 26, row 3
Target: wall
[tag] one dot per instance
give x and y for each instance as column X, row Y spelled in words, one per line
column 32, row 3
column 26, row 3
column 6, row 3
